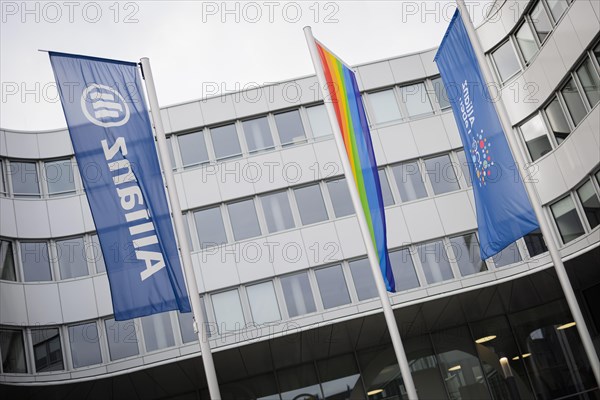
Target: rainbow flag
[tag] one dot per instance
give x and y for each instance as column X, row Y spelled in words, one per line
column 352, row 120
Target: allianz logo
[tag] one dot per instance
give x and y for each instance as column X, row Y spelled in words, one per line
column 104, row 106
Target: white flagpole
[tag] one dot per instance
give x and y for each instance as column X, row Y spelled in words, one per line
column 514, row 144
column 200, row 325
column 362, row 221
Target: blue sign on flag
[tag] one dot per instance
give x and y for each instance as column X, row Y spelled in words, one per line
column 112, row 137
column 504, row 212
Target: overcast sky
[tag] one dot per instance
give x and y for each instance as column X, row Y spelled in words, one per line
column 191, row 43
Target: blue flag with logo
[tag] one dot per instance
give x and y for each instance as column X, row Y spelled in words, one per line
column 504, row 212
column 112, row 137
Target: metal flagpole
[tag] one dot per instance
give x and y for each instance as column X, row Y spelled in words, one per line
column 561, row 272
column 200, row 325
column 372, row 254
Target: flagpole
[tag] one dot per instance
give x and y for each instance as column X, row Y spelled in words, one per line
column 200, row 326
column 561, row 272
column 362, row 221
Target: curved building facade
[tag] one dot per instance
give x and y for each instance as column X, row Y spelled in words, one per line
column 278, row 256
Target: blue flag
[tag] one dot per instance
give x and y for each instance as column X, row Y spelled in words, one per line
column 504, row 212
column 112, row 137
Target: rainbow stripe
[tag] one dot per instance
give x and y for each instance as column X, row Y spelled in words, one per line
column 351, row 118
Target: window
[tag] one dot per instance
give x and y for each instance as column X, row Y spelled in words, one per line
column 158, row 332
column 244, row 220
column 24, row 177
column 171, row 153
column 192, row 147
column 384, row 106
column 210, row 228
column 386, row 192
column 588, row 76
column 97, row 254
column 597, row 52
column 263, row 303
column 277, row 211
column 332, row 286
column 541, row 22
column 228, row 311
column 12, row 351
column 85, row 346
column 574, row 101
column 558, row 121
column 435, row 262
column 526, row 42
column 409, row 181
column 186, row 324
column 509, row 255
column 506, row 61
column 536, row 137
column 36, row 261
column 441, row 174
column 467, row 255
column 47, row 349
column 122, row 338
column 403, row 268
column 3, row 189
column 340, row 197
column 557, row 8
column 298, row 294
column 59, row 177
column 566, row 219
column 289, row 126
column 225, row 142
column 310, row 204
column 71, row 258
column 416, row 100
column 535, row 243
column 441, row 93
column 591, row 204
column 319, row 121
column 364, row 283
column 7, row 261
column 464, row 166
column 258, row 134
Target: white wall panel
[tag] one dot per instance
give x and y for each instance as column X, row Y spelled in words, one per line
column 8, row 224
column 583, row 15
column 54, row 144
column 289, row 253
column 232, row 181
column 456, row 213
column 398, row 233
column 328, row 158
column 218, row 268
column 376, row 75
column 322, row 244
column 32, row 218
column 408, row 68
column 398, row 142
column 423, row 220
column 77, row 300
column 552, row 62
column 254, row 260
column 350, row 236
column 430, row 135
column 102, row 295
column 201, row 186
column 250, row 102
column 548, row 179
column 299, row 164
column 65, row 215
column 565, row 37
column 22, row 145
column 185, row 116
column 266, row 172
column 43, row 304
column 12, row 304
column 216, row 110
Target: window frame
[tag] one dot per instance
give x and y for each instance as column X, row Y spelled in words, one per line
column 492, row 60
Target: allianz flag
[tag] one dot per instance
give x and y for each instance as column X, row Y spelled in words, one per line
column 112, row 137
column 504, row 212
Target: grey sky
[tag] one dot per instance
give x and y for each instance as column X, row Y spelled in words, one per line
column 191, row 44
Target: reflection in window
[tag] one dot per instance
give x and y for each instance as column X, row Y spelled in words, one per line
column 97, row 254
column 558, row 120
column 597, row 52
column 278, row 212
column 384, row 105
column 541, row 22
column 244, row 220
column 364, row 283
column 47, row 350
column 339, row 377
column 289, row 126
column 332, row 286
column 12, row 351
column 158, row 332
column 509, row 255
column 24, row 178
column 340, row 197
column 310, row 204
column 566, row 219
column 506, row 61
column 467, row 255
column 403, row 269
column 225, row 142
column 209, row 225
column 36, row 261
column 441, row 93
column 574, row 101
column 386, row 192
column 85, row 345
column 263, row 303
column 557, row 8
column 299, row 382
column 590, row 203
column 3, row 188
column 416, row 100
column 464, row 166
column 526, row 42
column 535, row 243
column 59, row 176
column 536, row 137
column 409, row 181
column 228, row 311
column 435, row 262
column 122, row 338
column 7, row 261
column 441, row 174
column 171, row 154
column 319, row 121
column 258, row 134
column 186, row 324
column 588, row 76
column 192, row 147
column 71, row 258
column 298, row 294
